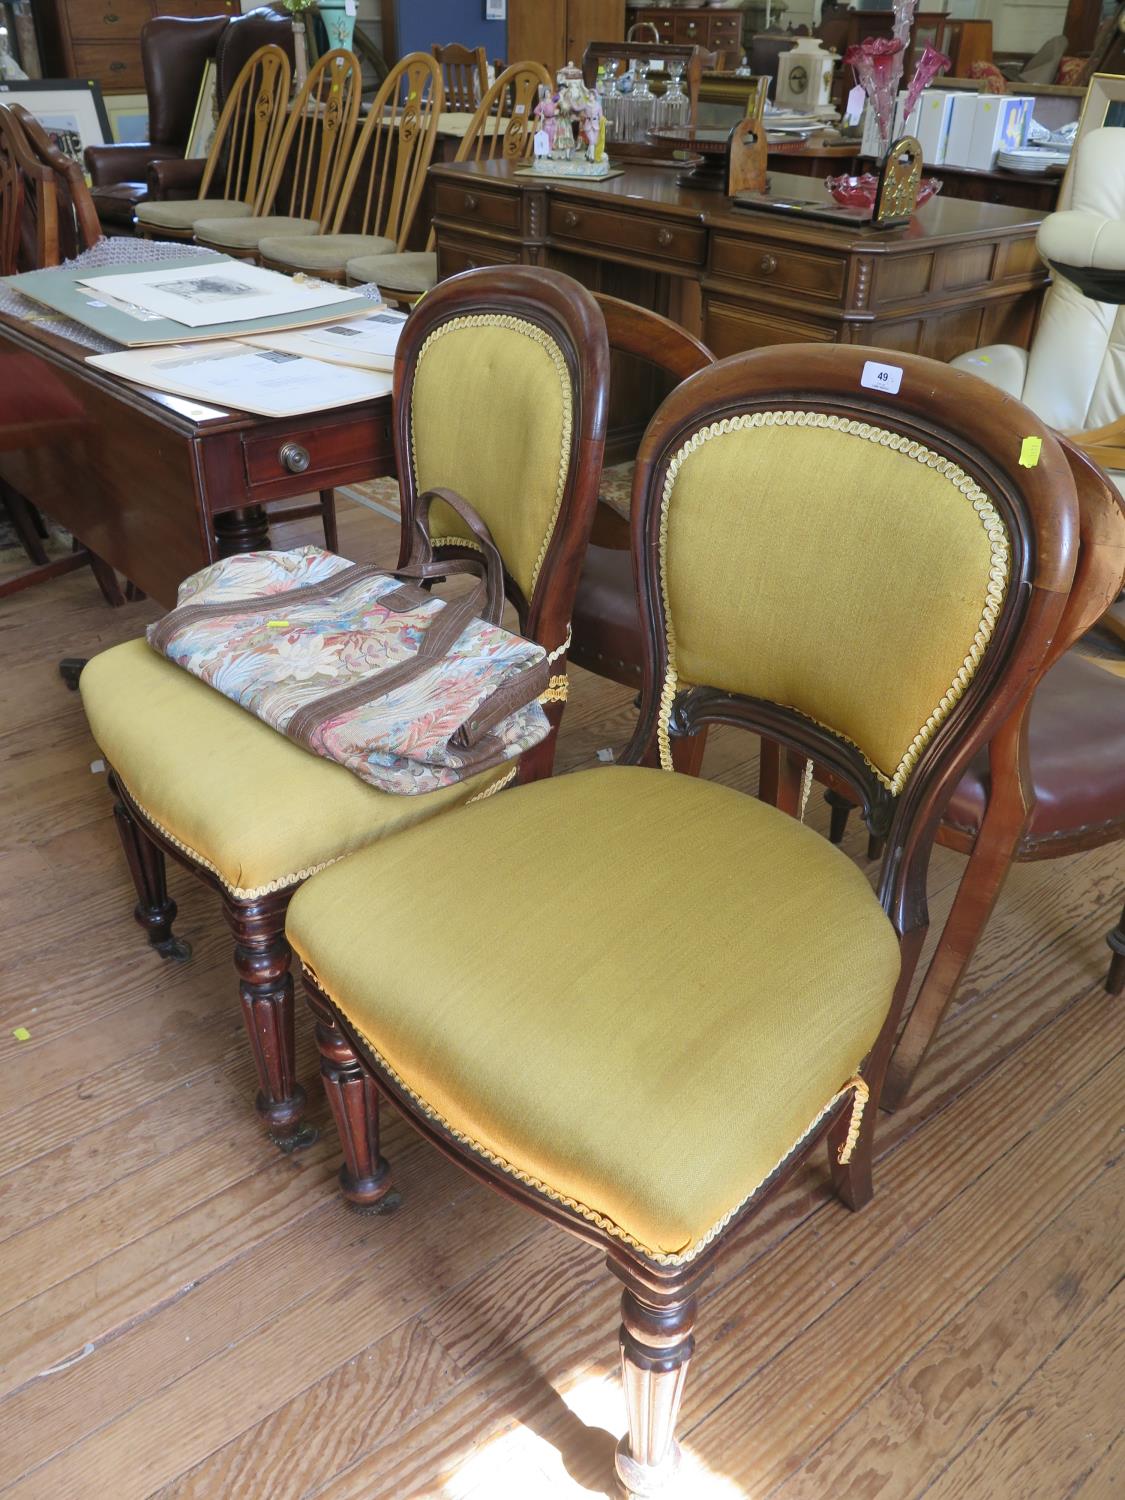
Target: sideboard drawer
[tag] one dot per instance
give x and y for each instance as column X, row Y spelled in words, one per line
column 470, row 254
column 315, row 453
column 473, row 206
column 772, row 265
column 194, row 8
column 116, row 66
column 630, row 235
column 106, row 20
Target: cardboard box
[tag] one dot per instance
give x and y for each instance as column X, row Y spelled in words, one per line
column 962, row 117
column 1001, row 121
column 935, row 111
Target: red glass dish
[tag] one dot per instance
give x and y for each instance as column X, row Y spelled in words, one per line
column 859, row 192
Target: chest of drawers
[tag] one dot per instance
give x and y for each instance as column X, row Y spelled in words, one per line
column 101, row 39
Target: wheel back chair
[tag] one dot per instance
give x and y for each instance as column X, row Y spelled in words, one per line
column 500, row 392
column 632, row 1000
column 464, row 75
column 382, row 189
column 46, row 216
column 308, row 167
column 242, row 153
column 500, row 128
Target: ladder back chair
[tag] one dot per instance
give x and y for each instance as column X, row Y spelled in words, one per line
column 464, row 74
column 241, row 156
column 732, row 994
column 500, row 128
column 500, row 382
column 384, row 182
column 308, row 167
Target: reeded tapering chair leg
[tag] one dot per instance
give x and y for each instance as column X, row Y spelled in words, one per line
column 155, row 910
column 842, row 809
column 365, row 1177
column 687, row 752
column 1115, row 979
column 265, row 986
column 656, row 1349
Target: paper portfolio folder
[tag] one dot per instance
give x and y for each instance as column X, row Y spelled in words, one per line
column 60, row 290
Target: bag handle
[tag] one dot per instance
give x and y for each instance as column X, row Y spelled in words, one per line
column 489, row 566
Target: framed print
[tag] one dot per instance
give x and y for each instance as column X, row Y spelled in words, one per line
column 495, row 10
column 1104, row 104
column 206, row 116
column 71, row 111
column 128, row 118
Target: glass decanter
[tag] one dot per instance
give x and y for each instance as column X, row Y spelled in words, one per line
column 642, row 104
column 611, row 101
column 673, row 108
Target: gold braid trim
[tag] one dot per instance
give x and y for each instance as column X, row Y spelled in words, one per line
column 240, row 893
column 537, row 336
column 859, row 1104
column 494, row 787
column 806, row 788
column 591, row 1215
column 555, row 691
column 990, row 520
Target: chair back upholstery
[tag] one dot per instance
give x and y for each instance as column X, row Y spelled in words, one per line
column 387, row 172
column 249, row 129
column 1076, row 366
column 502, row 125
column 855, row 575
column 76, row 218
column 174, row 52
column 244, row 35
column 316, row 143
column 464, row 75
column 500, row 392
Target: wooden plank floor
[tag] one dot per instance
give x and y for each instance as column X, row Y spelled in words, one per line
column 185, row 1312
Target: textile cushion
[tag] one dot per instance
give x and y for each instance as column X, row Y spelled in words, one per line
column 245, row 234
column 492, row 418
column 989, row 76
column 321, row 252
column 642, row 1020
column 247, row 803
column 413, row 271
column 616, row 489
column 910, row 556
column 182, row 213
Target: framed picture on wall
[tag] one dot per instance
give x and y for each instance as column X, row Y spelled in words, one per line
column 495, row 10
column 71, row 111
column 1104, row 103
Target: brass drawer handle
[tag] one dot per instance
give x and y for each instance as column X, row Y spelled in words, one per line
column 664, row 237
column 472, row 203
column 768, row 264
column 110, row 19
column 691, row 27
column 571, row 219
column 117, row 67
column 294, row 458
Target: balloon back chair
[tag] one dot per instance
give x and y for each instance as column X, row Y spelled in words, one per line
column 500, row 390
column 499, row 130
column 384, row 181
column 308, row 167
column 241, row 156
column 634, row 1000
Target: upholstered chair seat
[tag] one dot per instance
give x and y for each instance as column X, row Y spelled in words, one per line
column 243, row 235
column 412, row 273
column 255, row 809
column 326, row 253
column 182, row 213
column 467, row 994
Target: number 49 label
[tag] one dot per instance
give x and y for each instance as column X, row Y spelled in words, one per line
column 877, row 377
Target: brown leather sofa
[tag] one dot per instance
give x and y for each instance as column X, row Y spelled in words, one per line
column 174, row 52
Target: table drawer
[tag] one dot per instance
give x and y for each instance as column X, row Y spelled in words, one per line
column 106, row 20
column 456, row 255
column 496, row 210
column 628, row 234
column 772, row 265
column 193, row 8
column 115, row 65
column 316, row 453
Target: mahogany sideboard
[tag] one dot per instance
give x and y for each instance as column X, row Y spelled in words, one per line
column 158, row 486
column 959, row 275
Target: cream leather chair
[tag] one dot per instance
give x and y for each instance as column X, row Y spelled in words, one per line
column 1073, row 376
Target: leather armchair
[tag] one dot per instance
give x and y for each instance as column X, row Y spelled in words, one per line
column 174, row 51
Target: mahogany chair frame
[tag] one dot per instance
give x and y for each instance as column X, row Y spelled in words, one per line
column 464, row 75
column 261, row 954
column 935, row 406
column 247, row 137
column 313, row 152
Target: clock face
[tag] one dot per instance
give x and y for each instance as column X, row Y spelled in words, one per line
column 799, row 78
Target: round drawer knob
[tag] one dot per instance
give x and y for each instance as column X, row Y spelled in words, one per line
column 768, row 265
column 570, row 219
column 472, row 203
column 691, row 27
column 664, row 237
column 294, row 458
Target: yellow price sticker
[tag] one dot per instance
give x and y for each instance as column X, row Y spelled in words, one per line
column 21, row 1034
column 1030, row 450
column 277, row 624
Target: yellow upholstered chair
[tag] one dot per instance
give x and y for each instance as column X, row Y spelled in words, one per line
column 503, row 402
column 308, row 166
column 500, row 130
column 241, row 156
column 384, row 182
column 634, row 1000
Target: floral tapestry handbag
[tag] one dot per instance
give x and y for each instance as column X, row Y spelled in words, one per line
column 409, row 691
